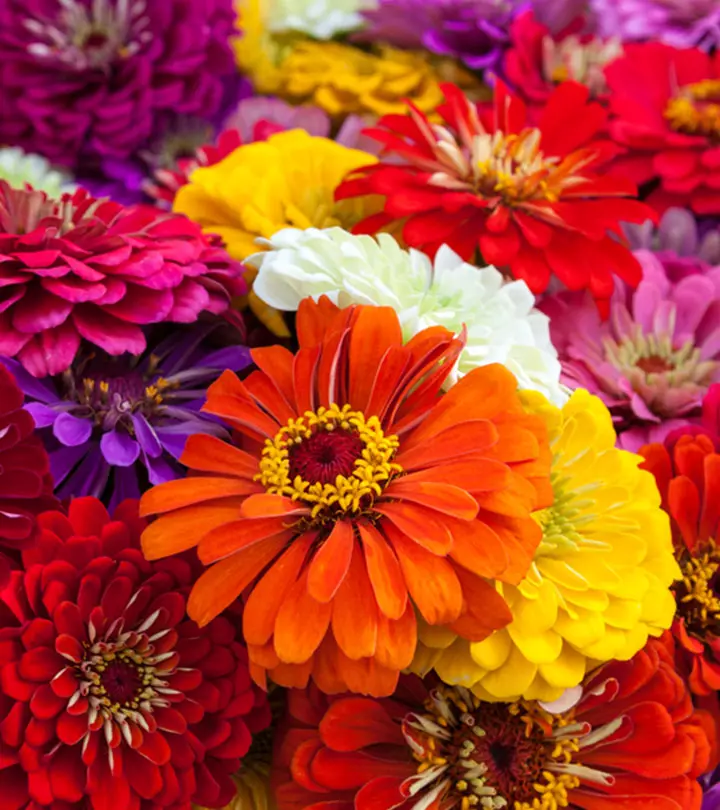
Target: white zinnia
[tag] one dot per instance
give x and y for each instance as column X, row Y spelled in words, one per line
column 502, row 324
column 320, row 19
column 18, row 168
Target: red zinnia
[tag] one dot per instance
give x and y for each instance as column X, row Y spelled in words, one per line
column 530, row 198
column 25, row 483
column 632, row 741
column 665, row 105
column 110, row 695
column 687, row 471
column 357, row 493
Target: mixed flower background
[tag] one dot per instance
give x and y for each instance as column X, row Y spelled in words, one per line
column 359, row 404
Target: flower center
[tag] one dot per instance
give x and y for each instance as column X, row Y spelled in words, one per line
column 333, row 459
column 513, row 168
column 91, row 36
column 474, row 754
column 697, row 593
column 695, row 109
column 584, row 62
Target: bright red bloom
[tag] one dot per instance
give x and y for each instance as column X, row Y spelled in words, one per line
column 666, row 113
column 110, row 695
column 490, row 182
column 25, row 483
column 632, row 741
column 77, row 268
column 356, row 495
column 687, row 471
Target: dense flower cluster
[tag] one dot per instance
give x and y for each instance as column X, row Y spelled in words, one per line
column 359, row 404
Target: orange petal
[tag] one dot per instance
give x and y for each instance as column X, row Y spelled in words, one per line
column 228, row 384
column 277, row 363
column 301, row 624
column 266, row 505
column 424, row 526
column 431, row 580
column 269, row 398
column 244, row 415
column 517, row 499
column 450, row 444
column 374, row 331
column 305, row 377
column 388, row 380
column 711, row 504
column 515, row 443
column 211, row 454
column 292, row 676
column 326, row 672
column 397, row 640
column 384, row 572
column 355, row 612
column 188, row 491
column 444, row 498
column 473, row 474
column 684, row 503
column 183, row 528
column 331, row 562
column 521, row 537
column 484, row 610
column 479, row 549
column 367, row 676
column 221, row 585
column 263, row 654
column 316, row 318
column 263, row 604
column 330, row 378
column 231, row 538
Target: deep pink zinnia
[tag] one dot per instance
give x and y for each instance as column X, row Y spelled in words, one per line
column 111, row 698
column 78, row 267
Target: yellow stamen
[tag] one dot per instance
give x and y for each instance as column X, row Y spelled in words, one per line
column 694, row 110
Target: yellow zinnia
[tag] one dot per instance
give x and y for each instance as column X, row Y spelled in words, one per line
column 599, row 583
column 287, row 181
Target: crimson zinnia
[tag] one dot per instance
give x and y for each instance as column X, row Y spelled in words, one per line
column 665, row 105
column 110, row 696
column 357, row 494
column 631, row 741
column 687, row 471
column 500, row 190
column 83, row 268
column 25, row 483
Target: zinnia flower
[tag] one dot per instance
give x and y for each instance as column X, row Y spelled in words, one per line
column 25, row 482
column 84, row 268
column 318, row 19
column 111, row 697
column 81, row 79
column 599, row 583
column 501, row 322
column 665, row 112
column 475, row 31
column 631, row 741
column 653, row 360
column 526, row 197
column 682, row 23
column 19, row 169
column 260, row 188
column 678, row 232
column 356, row 497
column 112, row 424
column 687, row 472
column 536, row 61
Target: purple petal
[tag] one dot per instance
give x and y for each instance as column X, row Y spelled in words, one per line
column 90, row 478
column 41, row 414
column 125, row 486
column 146, row 436
column 64, row 460
column 235, row 358
column 119, row 448
column 31, row 386
column 72, row 431
column 160, row 471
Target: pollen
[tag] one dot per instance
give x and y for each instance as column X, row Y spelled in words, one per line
column 698, row 602
column 695, row 109
column 333, row 459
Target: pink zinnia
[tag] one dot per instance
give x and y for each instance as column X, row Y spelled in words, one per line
column 83, row 268
column 654, row 359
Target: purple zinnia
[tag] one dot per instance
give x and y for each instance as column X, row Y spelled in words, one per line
column 113, row 424
column 711, row 786
column 653, row 360
column 681, row 23
column 93, row 79
column 476, row 31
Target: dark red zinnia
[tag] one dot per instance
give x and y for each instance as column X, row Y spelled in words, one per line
column 25, row 482
column 110, row 695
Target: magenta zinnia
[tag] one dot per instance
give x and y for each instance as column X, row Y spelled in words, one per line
column 83, row 268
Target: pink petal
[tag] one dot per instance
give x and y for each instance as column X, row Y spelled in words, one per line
column 142, row 306
column 39, row 310
column 74, row 290
column 51, row 352
column 111, row 334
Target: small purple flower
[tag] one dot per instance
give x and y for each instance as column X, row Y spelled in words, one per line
column 113, row 424
column 681, row 233
column 655, row 357
column 475, row 31
column 681, row 23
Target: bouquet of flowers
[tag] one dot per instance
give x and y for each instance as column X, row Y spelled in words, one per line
column 359, row 404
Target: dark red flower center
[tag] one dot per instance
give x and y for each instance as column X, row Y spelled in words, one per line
column 654, row 364
column 121, row 681
column 325, row 455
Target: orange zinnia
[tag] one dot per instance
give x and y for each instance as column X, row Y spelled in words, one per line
column 357, row 494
